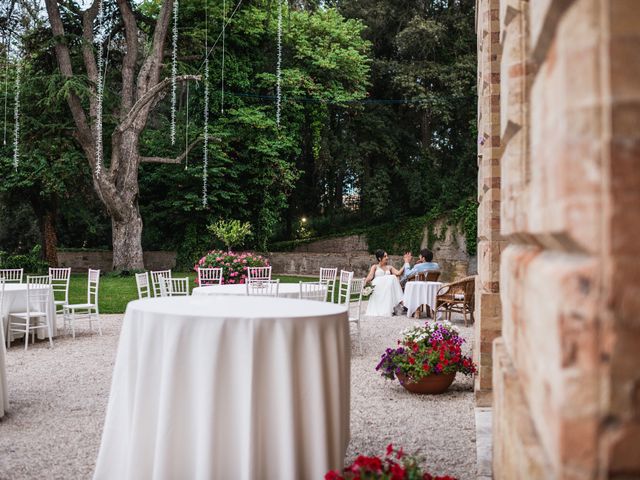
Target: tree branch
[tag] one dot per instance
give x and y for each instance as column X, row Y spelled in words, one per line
column 179, row 158
column 148, row 97
column 130, row 58
column 88, row 16
column 150, row 70
column 64, row 63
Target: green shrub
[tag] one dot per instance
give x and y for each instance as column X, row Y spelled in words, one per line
column 32, row 262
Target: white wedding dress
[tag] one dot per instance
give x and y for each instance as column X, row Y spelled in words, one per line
column 386, row 294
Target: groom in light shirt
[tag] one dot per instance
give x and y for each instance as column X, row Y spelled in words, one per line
column 424, row 264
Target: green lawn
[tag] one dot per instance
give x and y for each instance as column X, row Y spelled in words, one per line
column 116, row 292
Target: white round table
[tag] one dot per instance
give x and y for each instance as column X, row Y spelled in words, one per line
column 287, row 290
column 420, row 293
column 15, row 300
column 228, row 387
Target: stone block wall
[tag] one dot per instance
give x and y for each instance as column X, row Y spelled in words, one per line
column 103, row 260
column 566, row 369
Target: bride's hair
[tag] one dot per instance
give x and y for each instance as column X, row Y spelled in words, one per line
column 379, row 254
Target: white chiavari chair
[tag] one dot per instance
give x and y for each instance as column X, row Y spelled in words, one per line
column 12, row 275
column 156, row 283
column 3, row 331
column 144, row 288
column 209, row 276
column 313, row 291
column 357, row 284
column 328, row 277
column 344, row 288
column 178, row 287
column 258, row 273
column 263, row 288
column 60, row 278
column 85, row 311
column 38, row 301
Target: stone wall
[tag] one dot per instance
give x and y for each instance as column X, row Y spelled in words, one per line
column 351, row 253
column 103, row 260
column 566, row 369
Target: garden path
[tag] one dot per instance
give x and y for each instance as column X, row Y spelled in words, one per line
column 58, row 399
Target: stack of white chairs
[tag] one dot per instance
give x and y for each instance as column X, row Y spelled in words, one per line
column 60, row 278
column 313, row 291
column 328, row 277
column 144, row 287
column 85, row 311
column 209, row 276
column 12, row 275
column 258, row 273
column 357, row 285
column 155, row 282
column 264, row 288
column 37, row 315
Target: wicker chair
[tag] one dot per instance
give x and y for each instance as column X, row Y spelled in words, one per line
column 457, row 297
column 429, row 276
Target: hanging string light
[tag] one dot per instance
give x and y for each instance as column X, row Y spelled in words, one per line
column 205, row 155
column 16, row 118
column 224, row 28
column 279, row 66
column 100, row 89
column 6, row 86
column 174, row 72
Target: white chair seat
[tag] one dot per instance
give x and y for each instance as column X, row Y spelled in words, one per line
column 60, row 302
column 78, row 306
column 26, row 314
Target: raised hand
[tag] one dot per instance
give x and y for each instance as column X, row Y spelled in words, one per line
column 407, row 257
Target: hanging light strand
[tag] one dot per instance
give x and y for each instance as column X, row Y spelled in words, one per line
column 279, row 66
column 205, row 153
column 100, row 89
column 224, row 28
column 6, row 86
column 174, row 71
column 16, row 117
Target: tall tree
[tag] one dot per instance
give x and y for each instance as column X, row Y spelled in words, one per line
column 141, row 89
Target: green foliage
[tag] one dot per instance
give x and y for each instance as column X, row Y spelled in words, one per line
column 231, row 232
column 31, row 262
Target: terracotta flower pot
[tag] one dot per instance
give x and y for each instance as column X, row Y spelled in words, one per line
column 431, row 384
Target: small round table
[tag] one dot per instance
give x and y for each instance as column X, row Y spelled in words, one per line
column 417, row 294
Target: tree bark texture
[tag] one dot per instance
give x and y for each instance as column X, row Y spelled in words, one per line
column 117, row 185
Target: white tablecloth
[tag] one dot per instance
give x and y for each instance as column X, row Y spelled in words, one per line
column 15, row 300
column 288, row 290
column 222, row 387
column 420, row 293
column 4, row 393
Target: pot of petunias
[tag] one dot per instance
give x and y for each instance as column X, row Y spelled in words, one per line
column 395, row 465
column 427, row 358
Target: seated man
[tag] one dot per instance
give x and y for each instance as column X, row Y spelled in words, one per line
column 424, row 264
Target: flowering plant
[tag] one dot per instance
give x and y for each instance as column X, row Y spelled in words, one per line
column 395, row 465
column 234, row 265
column 432, row 349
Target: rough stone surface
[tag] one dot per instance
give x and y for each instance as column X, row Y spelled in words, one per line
column 103, row 260
column 58, row 399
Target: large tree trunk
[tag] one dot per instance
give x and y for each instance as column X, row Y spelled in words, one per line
column 127, row 246
column 50, row 238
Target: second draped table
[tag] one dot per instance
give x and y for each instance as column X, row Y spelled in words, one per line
column 289, row 290
column 420, row 293
column 218, row 387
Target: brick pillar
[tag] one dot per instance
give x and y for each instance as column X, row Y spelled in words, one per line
column 487, row 308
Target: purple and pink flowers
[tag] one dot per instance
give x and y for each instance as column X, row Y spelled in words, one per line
column 432, row 349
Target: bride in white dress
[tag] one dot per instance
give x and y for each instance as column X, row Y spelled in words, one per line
column 387, row 292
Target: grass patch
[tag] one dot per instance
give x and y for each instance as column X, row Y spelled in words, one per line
column 115, row 292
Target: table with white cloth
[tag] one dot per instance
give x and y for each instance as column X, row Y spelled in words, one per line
column 4, row 394
column 223, row 387
column 15, row 300
column 420, row 293
column 287, row 290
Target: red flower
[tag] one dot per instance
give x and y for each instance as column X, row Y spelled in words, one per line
column 389, row 449
column 426, row 367
column 333, row 475
column 397, row 472
column 412, row 360
column 400, row 454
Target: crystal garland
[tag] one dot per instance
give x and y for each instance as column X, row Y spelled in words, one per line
column 205, row 153
column 100, row 89
column 279, row 65
column 6, row 86
column 174, row 71
column 16, row 118
column 224, row 20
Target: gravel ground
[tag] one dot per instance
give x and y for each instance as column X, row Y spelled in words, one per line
column 58, row 399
